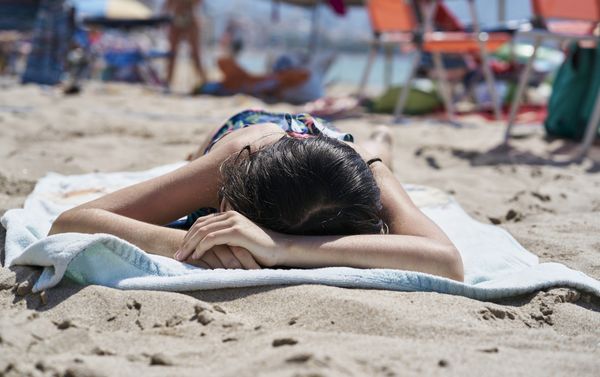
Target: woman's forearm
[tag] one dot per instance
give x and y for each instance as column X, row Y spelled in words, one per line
column 374, row 251
column 151, row 238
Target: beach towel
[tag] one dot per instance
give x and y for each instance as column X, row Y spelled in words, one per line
column 496, row 265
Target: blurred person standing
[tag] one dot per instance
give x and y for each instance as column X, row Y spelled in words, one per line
column 185, row 26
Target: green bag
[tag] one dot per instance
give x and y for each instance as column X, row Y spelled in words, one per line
column 574, row 93
column 419, row 102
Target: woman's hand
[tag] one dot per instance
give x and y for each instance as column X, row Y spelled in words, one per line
column 219, row 237
column 223, row 256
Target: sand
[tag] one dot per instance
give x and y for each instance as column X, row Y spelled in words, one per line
column 551, row 208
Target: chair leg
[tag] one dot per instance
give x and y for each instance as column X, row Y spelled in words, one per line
column 403, row 95
column 388, row 71
column 367, row 71
column 444, row 86
column 490, row 81
column 592, row 129
column 521, row 88
column 487, row 71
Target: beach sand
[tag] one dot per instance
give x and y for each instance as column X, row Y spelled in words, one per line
column 553, row 210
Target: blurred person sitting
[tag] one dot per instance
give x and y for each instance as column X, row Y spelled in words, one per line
column 292, row 78
column 313, row 88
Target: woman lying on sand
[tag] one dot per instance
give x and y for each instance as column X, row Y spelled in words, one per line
column 289, row 192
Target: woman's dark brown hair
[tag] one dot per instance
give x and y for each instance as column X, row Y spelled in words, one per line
column 313, row 186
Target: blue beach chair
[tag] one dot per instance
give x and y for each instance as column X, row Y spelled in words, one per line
column 17, row 18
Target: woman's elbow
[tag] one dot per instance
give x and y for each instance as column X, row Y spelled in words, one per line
column 58, row 224
column 64, row 222
column 454, row 268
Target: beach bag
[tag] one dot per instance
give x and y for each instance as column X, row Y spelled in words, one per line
column 574, row 93
column 419, row 102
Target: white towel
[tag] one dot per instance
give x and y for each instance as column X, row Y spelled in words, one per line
column 495, row 264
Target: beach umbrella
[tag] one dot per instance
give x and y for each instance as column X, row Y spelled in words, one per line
column 112, row 9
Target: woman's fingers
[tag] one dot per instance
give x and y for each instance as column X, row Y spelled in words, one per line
column 199, row 263
column 211, row 259
column 229, row 257
column 229, row 237
column 245, row 258
column 226, row 256
column 196, row 235
column 218, row 237
column 203, row 221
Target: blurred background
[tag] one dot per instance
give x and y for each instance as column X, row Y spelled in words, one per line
column 267, row 27
column 338, row 57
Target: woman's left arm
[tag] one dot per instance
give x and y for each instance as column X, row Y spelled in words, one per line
column 414, row 241
column 401, row 252
column 404, row 252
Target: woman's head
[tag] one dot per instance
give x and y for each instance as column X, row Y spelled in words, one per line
column 313, row 186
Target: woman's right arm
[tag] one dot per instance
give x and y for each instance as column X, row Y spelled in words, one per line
column 154, row 239
column 137, row 213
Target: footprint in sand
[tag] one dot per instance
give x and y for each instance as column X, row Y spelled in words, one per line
column 299, row 358
column 513, row 215
column 284, row 342
column 134, row 304
column 544, row 304
column 160, row 359
column 174, row 321
column 203, row 314
column 541, row 197
column 65, row 324
column 491, row 313
column 18, row 187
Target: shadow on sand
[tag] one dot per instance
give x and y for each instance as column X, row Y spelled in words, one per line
column 506, row 154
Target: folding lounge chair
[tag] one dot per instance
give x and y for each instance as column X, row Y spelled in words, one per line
column 128, row 61
column 561, row 20
column 396, row 21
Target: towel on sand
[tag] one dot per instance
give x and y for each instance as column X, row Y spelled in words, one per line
column 495, row 264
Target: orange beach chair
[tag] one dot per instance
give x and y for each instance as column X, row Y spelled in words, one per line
column 563, row 21
column 397, row 21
